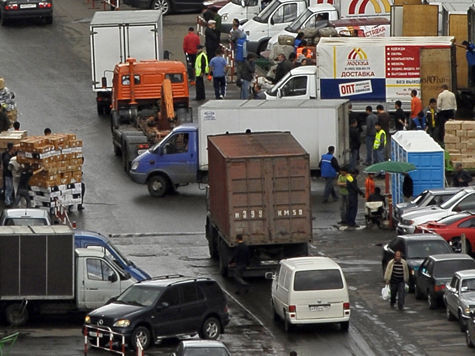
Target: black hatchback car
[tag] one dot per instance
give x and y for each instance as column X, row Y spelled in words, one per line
column 26, row 9
column 414, row 248
column 435, row 272
column 168, row 306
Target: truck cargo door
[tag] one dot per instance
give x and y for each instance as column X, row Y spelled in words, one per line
column 435, row 70
column 141, row 42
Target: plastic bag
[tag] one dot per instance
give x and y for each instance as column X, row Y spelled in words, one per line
column 406, row 287
column 386, row 293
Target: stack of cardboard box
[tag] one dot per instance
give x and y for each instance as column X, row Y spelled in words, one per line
column 60, row 157
column 11, row 136
column 460, row 142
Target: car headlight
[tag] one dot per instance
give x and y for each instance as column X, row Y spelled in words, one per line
column 467, row 310
column 407, row 222
column 122, row 323
column 135, row 165
column 87, row 319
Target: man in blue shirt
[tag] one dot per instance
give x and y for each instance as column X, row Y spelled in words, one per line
column 329, row 168
column 219, row 68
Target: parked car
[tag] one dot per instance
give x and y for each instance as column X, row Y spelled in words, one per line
column 167, row 6
column 167, row 306
column 459, row 297
column 201, row 348
column 414, row 248
column 310, row 290
column 462, row 201
column 25, row 217
column 451, row 229
column 94, row 240
column 26, row 9
column 429, row 197
column 435, row 272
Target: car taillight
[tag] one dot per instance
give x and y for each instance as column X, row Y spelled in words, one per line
column 11, row 7
column 346, row 306
column 439, row 287
column 143, row 146
column 45, row 5
column 418, row 230
column 292, row 309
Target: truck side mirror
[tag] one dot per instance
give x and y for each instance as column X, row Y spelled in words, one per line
column 104, row 82
column 163, row 305
column 112, row 278
column 269, row 275
column 279, row 93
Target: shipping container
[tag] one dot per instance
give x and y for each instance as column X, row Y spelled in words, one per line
column 259, row 187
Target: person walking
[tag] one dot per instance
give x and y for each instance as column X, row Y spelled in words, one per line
column 379, row 143
column 416, row 106
column 329, row 169
column 7, row 174
column 343, row 191
column 461, row 176
column 201, row 69
column 396, row 276
column 355, row 143
column 247, row 74
column 240, row 261
column 407, row 187
column 369, row 185
column 219, row 68
column 447, row 105
column 371, row 120
column 384, row 119
column 190, row 48
column 353, row 191
column 211, row 39
column 239, row 42
column 399, row 117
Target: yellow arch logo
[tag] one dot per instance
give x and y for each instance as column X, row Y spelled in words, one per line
column 359, row 6
column 357, row 53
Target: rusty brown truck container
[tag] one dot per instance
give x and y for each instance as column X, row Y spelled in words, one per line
column 259, row 186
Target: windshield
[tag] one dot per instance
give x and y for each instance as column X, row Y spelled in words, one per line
column 445, row 269
column 420, row 197
column 468, row 285
column 422, row 249
column 273, row 91
column 122, row 257
column 25, row 222
column 453, row 200
column 140, row 295
column 265, row 14
column 448, row 220
column 299, row 21
column 246, row 2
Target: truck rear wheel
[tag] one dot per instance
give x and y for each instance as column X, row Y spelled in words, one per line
column 16, row 314
column 157, row 185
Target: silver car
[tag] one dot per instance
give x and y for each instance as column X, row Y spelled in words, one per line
column 25, row 217
column 459, row 297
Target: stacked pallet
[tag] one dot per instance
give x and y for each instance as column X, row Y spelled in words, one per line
column 60, row 157
column 11, row 136
column 460, row 142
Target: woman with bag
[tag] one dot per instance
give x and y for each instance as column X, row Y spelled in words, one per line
column 396, row 276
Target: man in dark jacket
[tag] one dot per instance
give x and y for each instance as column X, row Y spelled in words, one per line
column 26, row 172
column 407, row 187
column 353, row 191
column 240, row 261
column 461, row 177
column 7, row 174
column 399, row 116
column 371, row 120
column 211, row 39
column 384, row 119
column 283, row 67
column 355, row 143
column 247, row 74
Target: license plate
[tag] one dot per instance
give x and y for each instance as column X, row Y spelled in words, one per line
column 95, row 334
column 27, row 6
column 139, row 152
column 315, row 308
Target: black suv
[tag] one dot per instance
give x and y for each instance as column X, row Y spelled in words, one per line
column 167, row 306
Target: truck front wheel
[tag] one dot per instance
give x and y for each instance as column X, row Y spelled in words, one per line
column 16, row 314
column 157, row 185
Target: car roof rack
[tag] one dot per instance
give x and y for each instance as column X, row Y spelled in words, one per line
column 167, row 276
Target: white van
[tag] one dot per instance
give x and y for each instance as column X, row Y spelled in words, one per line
column 310, row 290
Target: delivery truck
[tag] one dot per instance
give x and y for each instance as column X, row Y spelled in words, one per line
column 42, row 272
column 182, row 157
column 259, row 187
column 371, row 71
column 116, row 36
column 281, row 13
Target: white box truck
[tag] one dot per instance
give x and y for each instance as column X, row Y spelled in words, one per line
column 182, row 156
column 116, row 36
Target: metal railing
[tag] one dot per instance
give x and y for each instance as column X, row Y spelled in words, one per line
column 99, row 332
column 113, row 4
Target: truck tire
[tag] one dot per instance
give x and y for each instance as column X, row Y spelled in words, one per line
column 158, row 185
column 16, row 314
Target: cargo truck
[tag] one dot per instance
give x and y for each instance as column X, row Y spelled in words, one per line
column 116, row 36
column 371, row 71
column 42, row 272
column 259, row 187
column 182, row 158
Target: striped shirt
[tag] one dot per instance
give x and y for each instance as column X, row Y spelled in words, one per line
column 398, row 272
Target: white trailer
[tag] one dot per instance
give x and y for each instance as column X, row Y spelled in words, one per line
column 316, row 124
column 116, row 36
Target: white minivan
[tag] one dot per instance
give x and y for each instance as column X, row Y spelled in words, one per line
column 310, row 290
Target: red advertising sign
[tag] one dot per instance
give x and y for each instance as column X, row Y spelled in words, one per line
column 402, row 62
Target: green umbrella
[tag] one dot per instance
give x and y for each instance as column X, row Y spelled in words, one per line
column 390, row 167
